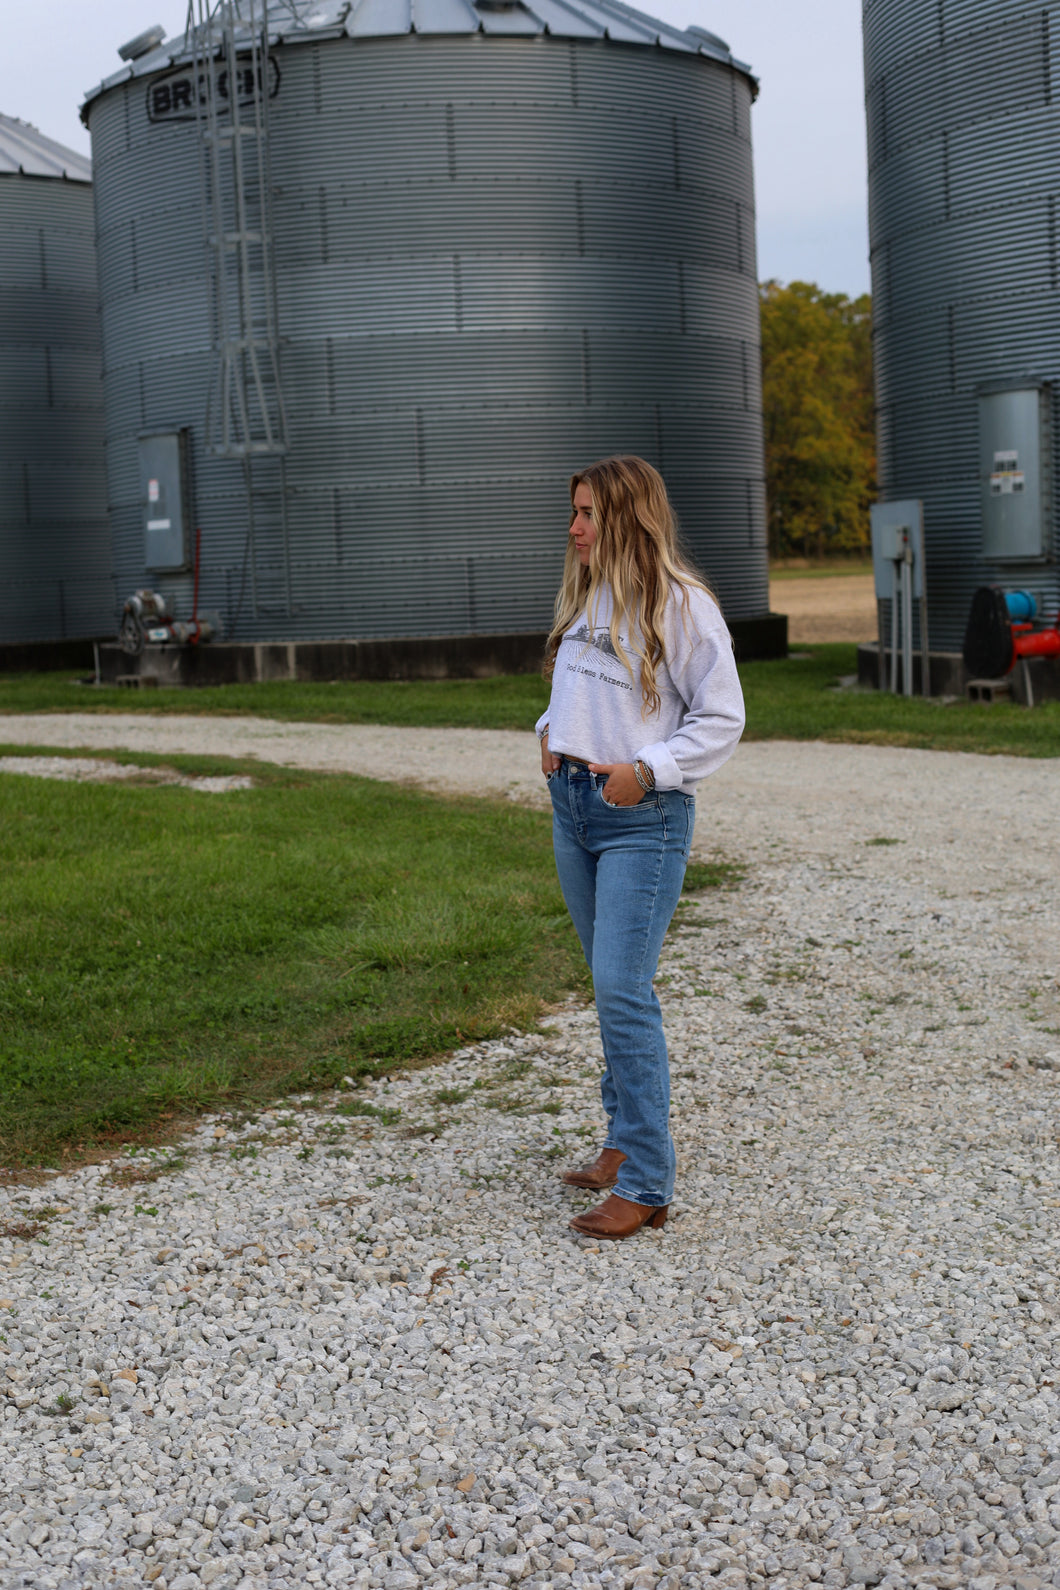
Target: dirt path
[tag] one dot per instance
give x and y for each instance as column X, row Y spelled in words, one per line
column 831, row 608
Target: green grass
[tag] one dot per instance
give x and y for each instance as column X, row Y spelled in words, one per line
column 796, row 699
column 163, row 951
column 827, row 568
column 789, row 699
column 712, row 875
column 510, row 701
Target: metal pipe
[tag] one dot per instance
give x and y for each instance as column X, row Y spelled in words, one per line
column 881, row 646
column 907, row 622
column 894, row 628
column 1041, row 643
column 285, row 528
column 248, row 479
column 195, row 596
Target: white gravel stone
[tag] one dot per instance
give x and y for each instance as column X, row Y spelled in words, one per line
column 317, row 1348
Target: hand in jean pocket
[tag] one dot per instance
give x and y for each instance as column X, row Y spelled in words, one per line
column 623, row 787
column 549, row 761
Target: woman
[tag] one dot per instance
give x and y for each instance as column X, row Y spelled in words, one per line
column 645, row 702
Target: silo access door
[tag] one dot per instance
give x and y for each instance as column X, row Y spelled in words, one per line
column 163, row 474
column 1014, row 472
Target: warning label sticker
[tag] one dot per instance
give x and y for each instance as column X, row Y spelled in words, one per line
column 1006, row 477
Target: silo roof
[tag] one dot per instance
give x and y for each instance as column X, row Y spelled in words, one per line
column 298, row 21
column 25, row 150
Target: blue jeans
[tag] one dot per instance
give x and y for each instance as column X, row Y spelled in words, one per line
column 621, row 869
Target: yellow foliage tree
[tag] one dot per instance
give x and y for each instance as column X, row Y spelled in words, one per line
column 819, row 423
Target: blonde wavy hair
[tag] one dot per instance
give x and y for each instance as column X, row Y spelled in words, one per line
column 636, row 553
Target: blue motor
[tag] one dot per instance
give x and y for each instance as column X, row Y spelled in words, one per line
column 1022, row 606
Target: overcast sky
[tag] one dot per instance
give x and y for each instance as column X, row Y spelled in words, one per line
column 809, row 129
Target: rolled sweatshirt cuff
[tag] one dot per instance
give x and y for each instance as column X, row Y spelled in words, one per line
column 667, row 773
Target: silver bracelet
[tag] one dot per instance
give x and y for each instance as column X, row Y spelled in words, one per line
column 640, row 772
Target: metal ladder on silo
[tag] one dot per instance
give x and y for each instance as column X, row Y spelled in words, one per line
column 245, row 408
column 246, row 417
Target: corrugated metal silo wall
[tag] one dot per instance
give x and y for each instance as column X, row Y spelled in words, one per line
column 963, row 132
column 55, row 568
column 497, row 259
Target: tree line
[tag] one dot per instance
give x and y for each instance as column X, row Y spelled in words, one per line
column 817, row 402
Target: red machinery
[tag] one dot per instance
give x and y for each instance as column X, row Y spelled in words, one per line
column 1001, row 631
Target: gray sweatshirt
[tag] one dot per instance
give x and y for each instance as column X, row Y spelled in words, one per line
column 596, row 711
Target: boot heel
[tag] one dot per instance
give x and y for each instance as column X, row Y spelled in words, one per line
column 659, row 1217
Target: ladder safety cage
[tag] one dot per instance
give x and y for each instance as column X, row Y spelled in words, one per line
column 229, row 41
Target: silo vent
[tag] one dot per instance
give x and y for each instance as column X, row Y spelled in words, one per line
column 708, row 38
column 326, row 16
column 499, row 5
column 143, row 43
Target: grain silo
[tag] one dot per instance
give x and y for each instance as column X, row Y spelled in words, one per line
column 468, row 247
column 962, row 131
column 55, row 570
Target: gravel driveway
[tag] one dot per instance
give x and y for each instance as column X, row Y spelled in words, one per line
column 358, row 1347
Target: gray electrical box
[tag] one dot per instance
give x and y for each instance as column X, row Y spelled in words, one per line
column 164, row 500
column 893, row 525
column 1014, row 472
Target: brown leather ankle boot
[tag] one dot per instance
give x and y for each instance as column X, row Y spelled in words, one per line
column 603, row 1172
column 617, row 1217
